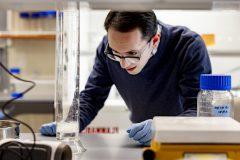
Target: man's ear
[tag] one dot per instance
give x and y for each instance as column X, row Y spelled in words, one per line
column 156, row 39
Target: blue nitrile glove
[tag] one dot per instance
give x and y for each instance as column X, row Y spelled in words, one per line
column 2, row 116
column 141, row 132
column 48, row 129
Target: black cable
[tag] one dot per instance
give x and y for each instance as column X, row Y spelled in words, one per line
column 6, row 145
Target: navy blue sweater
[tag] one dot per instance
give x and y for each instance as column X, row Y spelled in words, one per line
column 167, row 85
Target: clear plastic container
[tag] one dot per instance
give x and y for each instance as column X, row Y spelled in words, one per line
column 23, row 23
column 35, row 21
column 48, row 20
column 215, row 98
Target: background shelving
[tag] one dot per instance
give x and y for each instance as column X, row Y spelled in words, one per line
column 47, row 35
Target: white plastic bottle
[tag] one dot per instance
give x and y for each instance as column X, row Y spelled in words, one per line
column 215, row 98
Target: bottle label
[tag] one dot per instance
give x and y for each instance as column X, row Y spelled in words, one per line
column 221, row 111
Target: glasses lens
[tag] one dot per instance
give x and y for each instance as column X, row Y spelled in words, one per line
column 114, row 56
column 132, row 60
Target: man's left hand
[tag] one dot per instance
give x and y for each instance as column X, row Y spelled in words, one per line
column 141, row 132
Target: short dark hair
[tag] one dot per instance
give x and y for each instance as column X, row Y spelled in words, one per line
column 125, row 21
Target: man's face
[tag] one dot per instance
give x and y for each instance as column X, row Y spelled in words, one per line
column 128, row 43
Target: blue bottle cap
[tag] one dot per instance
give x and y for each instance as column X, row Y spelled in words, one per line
column 15, row 70
column 215, row 82
column 51, row 13
column 35, row 15
column 24, row 15
column 16, row 95
column 45, row 14
column 42, row 14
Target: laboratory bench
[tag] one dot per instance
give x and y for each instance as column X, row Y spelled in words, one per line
column 103, row 146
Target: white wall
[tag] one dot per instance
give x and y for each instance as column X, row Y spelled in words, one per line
column 225, row 25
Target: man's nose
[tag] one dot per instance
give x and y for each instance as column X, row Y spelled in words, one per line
column 123, row 63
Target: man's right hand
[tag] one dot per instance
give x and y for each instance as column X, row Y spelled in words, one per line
column 2, row 116
column 48, row 129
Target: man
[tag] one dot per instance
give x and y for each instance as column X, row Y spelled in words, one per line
column 155, row 67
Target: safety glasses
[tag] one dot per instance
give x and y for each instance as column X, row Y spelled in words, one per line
column 132, row 58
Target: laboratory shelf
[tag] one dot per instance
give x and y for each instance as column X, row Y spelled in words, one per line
column 48, row 35
column 228, row 52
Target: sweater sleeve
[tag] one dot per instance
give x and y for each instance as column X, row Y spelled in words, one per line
column 96, row 90
column 194, row 63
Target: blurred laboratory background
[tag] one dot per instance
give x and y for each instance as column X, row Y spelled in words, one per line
column 27, row 48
